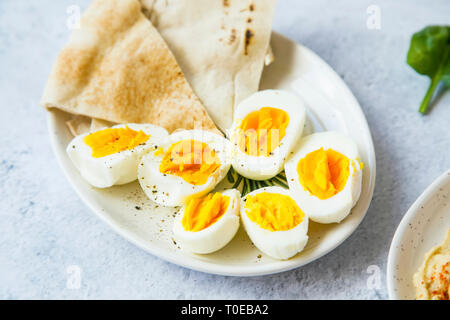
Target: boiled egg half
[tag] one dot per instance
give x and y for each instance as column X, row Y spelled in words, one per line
column 110, row 156
column 206, row 224
column 325, row 175
column 265, row 128
column 274, row 222
column 190, row 163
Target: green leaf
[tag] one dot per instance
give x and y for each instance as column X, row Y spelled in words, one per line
column 427, row 49
column 429, row 54
column 446, row 75
column 230, row 176
column 238, row 182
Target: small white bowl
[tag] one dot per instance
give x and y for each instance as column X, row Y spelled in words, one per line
column 423, row 227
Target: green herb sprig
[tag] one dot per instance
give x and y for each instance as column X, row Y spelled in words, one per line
column 429, row 54
column 249, row 185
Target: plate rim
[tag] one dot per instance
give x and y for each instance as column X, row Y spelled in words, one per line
column 393, row 255
column 206, row 267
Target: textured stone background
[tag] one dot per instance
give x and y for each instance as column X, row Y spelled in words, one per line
column 44, row 227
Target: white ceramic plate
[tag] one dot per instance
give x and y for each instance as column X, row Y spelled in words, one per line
column 331, row 106
column 424, row 226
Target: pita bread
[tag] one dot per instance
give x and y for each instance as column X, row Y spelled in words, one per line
column 79, row 124
column 116, row 67
column 220, row 45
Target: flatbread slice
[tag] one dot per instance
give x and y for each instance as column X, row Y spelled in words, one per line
column 116, row 67
column 79, row 124
column 221, row 46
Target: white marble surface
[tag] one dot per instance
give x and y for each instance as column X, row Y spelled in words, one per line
column 45, row 228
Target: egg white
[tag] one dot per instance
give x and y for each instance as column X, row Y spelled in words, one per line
column 337, row 207
column 171, row 190
column 262, row 167
column 117, row 168
column 276, row 244
column 217, row 235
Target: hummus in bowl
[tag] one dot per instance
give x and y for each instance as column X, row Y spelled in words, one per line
column 432, row 280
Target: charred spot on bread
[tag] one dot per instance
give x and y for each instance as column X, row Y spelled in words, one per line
column 248, row 37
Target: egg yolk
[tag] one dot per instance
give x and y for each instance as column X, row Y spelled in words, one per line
column 323, row 173
column 113, row 140
column 158, row 152
column 261, row 131
column 200, row 213
column 273, row 211
column 191, row 160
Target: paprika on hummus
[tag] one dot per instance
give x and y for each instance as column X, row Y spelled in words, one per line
column 432, row 280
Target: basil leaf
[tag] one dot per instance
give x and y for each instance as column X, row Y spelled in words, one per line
column 429, row 54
